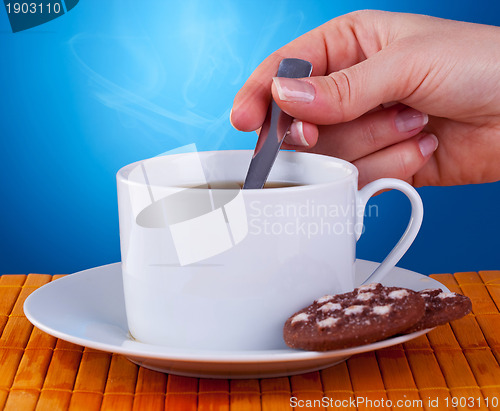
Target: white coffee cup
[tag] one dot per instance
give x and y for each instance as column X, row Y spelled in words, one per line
column 222, row 269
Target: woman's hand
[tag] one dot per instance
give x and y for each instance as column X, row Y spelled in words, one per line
column 399, row 95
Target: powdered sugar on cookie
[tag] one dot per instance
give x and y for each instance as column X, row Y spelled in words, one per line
column 398, row 294
column 327, row 322
column 354, row 309
column 364, row 296
column 367, row 287
column 382, row 309
column 330, row 307
column 300, row 317
column 446, row 295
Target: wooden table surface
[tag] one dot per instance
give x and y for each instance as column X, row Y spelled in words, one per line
column 455, row 366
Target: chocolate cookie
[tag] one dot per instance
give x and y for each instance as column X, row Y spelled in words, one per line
column 440, row 308
column 369, row 313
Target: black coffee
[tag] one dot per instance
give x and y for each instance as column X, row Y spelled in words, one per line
column 238, row 184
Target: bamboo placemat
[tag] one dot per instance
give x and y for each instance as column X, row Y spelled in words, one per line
column 454, row 366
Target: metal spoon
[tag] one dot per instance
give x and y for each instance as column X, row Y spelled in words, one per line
column 274, row 128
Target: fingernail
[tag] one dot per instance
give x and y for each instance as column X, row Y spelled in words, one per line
column 410, row 119
column 293, row 90
column 230, row 118
column 295, row 134
column 428, row 144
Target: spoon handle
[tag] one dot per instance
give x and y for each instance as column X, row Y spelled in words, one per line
column 274, row 128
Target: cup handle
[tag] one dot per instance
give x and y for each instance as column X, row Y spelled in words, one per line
column 417, row 213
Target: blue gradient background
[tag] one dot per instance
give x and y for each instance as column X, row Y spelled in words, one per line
column 112, row 82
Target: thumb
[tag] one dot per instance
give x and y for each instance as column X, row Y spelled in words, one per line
column 346, row 94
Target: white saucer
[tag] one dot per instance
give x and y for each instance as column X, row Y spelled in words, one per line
column 87, row 308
